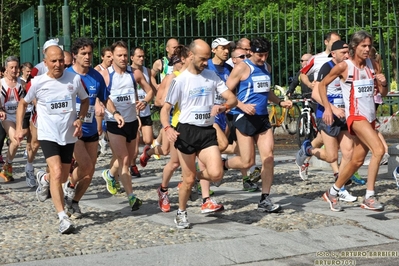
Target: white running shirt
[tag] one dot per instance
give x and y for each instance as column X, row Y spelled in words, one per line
column 142, row 94
column 56, row 106
column 358, row 91
column 195, row 95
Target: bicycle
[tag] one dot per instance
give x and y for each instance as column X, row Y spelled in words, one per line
column 283, row 117
column 306, row 125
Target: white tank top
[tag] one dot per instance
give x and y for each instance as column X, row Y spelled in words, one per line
column 358, row 91
column 142, row 94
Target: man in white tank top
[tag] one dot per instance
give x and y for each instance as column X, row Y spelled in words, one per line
column 122, row 86
column 360, row 79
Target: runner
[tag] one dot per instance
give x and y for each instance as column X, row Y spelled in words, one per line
column 194, row 91
column 58, row 128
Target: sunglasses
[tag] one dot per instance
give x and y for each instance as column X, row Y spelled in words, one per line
column 303, row 60
column 242, row 56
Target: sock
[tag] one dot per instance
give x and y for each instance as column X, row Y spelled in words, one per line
column 131, row 196
column 180, row 211
column 334, row 190
column 342, row 188
column 164, row 189
column 61, row 215
column 110, row 176
column 369, row 193
column 264, row 196
column 29, row 166
column 205, row 199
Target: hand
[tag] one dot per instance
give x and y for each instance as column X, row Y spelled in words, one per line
column 217, row 109
column 328, row 117
column 78, row 130
column 141, row 105
column 338, row 112
column 120, row 120
column 19, row 136
column 99, row 109
column 3, row 115
column 286, row 104
column 381, row 79
column 249, row 109
column 172, row 134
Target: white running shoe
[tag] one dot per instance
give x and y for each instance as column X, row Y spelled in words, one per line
column 384, row 160
column 395, row 176
column 303, row 171
column 344, row 195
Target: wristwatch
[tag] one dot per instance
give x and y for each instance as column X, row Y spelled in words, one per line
column 82, row 119
column 145, row 103
column 116, row 112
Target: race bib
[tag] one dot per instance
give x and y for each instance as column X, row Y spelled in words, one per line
column 90, row 113
column 219, row 99
column 11, row 107
column 339, row 102
column 59, row 105
column 125, row 96
column 261, row 84
column 141, row 93
column 200, row 115
column 363, row 88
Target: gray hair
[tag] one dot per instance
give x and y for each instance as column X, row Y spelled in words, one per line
column 11, row 59
column 356, row 39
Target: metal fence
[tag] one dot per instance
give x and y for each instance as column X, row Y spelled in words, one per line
column 293, row 28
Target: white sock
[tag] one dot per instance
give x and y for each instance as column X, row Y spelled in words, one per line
column 61, row 215
column 369, row 193
column 29, row 166
column 334, row 190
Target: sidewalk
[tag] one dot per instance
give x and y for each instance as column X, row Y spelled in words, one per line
column 305, row 233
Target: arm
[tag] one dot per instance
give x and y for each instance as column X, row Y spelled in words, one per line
column 109, row 104
column 171, row 133
column 163, row 90
column 293, row 85
column 140, row 79
column 21, row 109
column 337, row 71
column 156, row 68
column 382, row 84
column 339, row 112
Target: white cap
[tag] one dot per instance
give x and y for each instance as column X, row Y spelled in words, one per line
column 51, row 42
column 220, row 41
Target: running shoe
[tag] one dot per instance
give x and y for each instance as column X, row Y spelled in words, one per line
column 134, row 171
column 118, row 186
column 302, row 154
column 358, row 179
column 163, row 200
column 6, row 173
column 344, row 195
column 266, row 205
column 255, row 175
column 66, row 226
column 210, row 205
column 249, row 186
column 211, row 192
column 153, row 145
column 385, row 158
column 30, row 177
column 25, row 156
column 333, row 201
column 181, row 220
column 69, row 192
column 372, row 204
column 395, row 175
column 135, row 203
column 144, row 158
column 43, row 188
column 303, row 171
column 110, row 182
column 73, row 210
column 103, row 146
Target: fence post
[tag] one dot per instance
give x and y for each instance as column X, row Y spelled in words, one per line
column 66, row 26
column 41, row 15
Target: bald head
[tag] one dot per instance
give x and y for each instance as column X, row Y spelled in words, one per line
column 54, row 60
column 200, row 52
column 68, row 59
column 171, row 46
column 304, row 59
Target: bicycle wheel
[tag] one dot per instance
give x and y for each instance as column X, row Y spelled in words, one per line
column 302, row 123
column 291, row 119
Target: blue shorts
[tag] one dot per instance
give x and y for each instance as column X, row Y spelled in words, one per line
column 221, row 120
